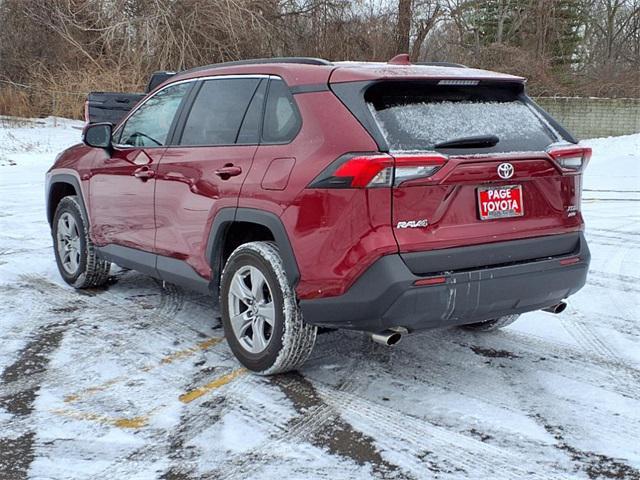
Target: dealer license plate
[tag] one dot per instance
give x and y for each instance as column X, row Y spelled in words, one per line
column 500, row 202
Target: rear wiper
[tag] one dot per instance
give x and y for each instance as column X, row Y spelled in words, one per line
column 482, row 141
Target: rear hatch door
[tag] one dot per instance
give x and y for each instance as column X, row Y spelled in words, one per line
column 472, row 165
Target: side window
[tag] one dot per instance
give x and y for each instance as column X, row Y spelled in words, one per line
column 149, row 126
column 249, row 133
column 281, row 117
column 218, row 111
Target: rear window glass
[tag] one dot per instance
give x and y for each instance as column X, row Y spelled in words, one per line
column 281, row 118
column 418, row 117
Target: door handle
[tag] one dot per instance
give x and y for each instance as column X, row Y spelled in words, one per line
column 228, row 171
column 144, row 173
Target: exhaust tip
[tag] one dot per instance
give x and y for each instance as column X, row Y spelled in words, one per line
column 394, row 338
column 387, row 338
column 558, row 308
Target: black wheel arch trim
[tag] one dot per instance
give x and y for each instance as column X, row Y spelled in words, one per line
column 229, row 215
column 70, row 180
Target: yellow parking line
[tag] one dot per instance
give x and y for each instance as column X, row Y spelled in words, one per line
column 135, row 422
column 217, row 383
column 172, row 357
column 91, row 390
column 190, row 351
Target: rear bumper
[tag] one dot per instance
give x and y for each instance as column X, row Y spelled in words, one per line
column 385, row 295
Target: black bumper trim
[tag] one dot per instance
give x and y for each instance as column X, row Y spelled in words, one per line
column 384, row 296
column 492, row 254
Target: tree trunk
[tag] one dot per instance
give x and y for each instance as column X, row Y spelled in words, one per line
column 403, row 30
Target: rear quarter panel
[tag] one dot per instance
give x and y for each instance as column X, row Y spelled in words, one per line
column 335, row 234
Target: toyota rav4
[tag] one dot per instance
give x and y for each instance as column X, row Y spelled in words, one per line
column 387, row 198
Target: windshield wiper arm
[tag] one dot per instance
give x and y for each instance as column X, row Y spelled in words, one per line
column 482, row 141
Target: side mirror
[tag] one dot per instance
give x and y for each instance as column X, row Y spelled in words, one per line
column 98, row 135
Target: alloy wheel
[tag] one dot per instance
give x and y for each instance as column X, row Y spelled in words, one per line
column 251, row 309
column 68, row 243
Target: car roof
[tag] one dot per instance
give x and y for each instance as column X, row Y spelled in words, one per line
column 298, row 71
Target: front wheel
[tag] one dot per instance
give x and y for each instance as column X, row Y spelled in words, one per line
column 77, row 259
column 262, row 322
column 490, row 325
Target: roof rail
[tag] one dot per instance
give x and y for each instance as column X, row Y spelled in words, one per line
column 441, row 64
column 257, row 61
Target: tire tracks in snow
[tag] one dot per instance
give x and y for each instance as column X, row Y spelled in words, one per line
column 458, row 370
column 318, row 417
column 17, row 452
column 460, row 452
column 555, row 356
column 587, row 335
column 196, row 417
column 133, row 313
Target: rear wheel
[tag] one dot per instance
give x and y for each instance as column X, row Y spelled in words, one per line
column 490, row 325
column 262, row 322
column 76, row 256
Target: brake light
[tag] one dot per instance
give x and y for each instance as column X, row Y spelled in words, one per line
column 378, row 170
column 571, row 159
column 367, row 171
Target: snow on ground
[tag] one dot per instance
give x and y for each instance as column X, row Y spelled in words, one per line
column 135, row 381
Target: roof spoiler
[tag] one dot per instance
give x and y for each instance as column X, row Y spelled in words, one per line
column 403, row 59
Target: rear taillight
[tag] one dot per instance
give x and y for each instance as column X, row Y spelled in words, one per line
column 377, row 170
column 570, row 159
column 413, row 167
column 365, row 171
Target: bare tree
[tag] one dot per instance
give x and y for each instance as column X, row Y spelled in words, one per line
column 403, row 29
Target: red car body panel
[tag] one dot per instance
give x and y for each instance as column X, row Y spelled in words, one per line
column 312, row 217
column 125, row 218
column 448, row 201
column 189, row 194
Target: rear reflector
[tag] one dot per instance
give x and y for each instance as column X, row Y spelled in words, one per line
column 430, row 281
column 569, row 261
column 571, row 159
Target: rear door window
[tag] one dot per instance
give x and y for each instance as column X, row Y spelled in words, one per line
column 414, row 117
column 249, row 133
column 218, row 111
column 281, row 118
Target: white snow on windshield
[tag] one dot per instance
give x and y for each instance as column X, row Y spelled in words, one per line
column 423, row 125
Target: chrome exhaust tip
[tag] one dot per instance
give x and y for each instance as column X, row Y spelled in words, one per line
column 558, row 308
column 387, row 337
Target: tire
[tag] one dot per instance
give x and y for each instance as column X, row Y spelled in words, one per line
column 75, row 253
column 254, row 291
column 490, row 325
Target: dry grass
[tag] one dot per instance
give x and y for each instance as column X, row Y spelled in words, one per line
column 63, row 94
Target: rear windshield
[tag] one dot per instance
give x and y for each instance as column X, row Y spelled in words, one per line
column 415, row 116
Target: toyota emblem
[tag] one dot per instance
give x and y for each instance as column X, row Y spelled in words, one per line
column 505, row 170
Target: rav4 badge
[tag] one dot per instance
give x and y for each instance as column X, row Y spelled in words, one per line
column 413, row 224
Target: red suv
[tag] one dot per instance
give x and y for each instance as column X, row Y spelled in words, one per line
column 382, row 197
